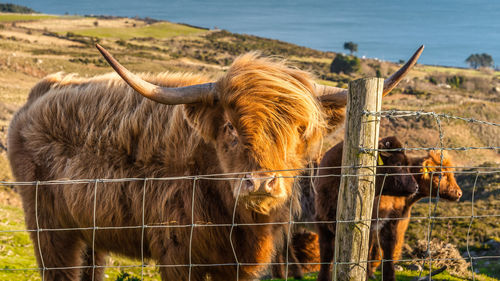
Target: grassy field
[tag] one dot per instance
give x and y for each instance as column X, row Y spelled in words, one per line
column 12, row 17
column 34, row 45
column 405, row 275
column 157, row 30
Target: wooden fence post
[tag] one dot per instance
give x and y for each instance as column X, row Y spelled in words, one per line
column 355, row 201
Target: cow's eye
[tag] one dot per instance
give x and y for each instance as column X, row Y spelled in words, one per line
column 228, row 127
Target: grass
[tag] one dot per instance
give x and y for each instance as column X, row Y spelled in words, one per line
column 16, row 249
column 158, row 30
column 10, row 17
column 405, row 275
column 17, row 253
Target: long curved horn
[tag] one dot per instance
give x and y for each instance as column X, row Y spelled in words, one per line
column 395, row 78
column 181, row 95
column 339, row 95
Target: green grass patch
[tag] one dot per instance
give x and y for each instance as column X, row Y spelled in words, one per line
column 409, row 275
column 17, row 259
column 406, row 275
column 9, row 17
column 157, row 30
column 16, row 249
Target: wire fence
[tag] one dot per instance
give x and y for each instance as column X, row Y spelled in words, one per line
column 293, row 221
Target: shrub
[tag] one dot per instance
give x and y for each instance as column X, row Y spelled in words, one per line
column 415, row 92
column 443, row 254
column 121, row 42
column 345, row 64
column 433, row 80
column 455, row 81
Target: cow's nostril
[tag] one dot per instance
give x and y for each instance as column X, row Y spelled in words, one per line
column 270, row 184
column 248, row 183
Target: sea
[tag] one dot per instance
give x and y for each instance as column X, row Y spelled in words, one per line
column 388, row 30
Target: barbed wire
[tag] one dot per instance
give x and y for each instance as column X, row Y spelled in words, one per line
column 221, row 177
column 417, row 114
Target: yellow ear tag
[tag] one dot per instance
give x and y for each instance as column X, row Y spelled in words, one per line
column 380, row 162
column 426, row 172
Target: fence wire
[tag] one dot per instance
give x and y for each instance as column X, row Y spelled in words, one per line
column 291, row 224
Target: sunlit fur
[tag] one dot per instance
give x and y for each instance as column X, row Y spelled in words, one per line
column 306, row 247
column 87, row 128
column 282, row 111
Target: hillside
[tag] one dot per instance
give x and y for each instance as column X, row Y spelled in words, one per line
column 35, row 45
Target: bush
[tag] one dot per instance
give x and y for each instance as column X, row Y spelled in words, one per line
column 416, row 92
column 345, row 64
column 121, row 42
column 455, row 81
column 433, row 80
column 443, row 254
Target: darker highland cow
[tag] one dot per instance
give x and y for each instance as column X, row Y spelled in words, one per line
column 387, row 237
column 393, row 178
column 323, row 190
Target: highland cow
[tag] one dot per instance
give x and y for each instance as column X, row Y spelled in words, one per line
column 387, row 237
column 399, row 183
column 392, row 177
column 261, row 116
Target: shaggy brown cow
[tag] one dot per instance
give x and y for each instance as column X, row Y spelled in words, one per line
column 398, row 181
column 387, row 237
column 260, row 116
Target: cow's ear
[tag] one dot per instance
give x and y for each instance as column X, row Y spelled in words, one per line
column 205, row 119
column 428, row 166
column 334, row 115
column 384, row 144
